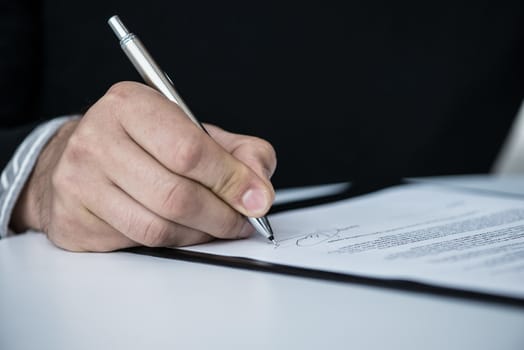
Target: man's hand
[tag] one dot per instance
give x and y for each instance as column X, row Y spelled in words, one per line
column 136, row 171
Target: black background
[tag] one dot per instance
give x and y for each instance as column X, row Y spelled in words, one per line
column 366, row 91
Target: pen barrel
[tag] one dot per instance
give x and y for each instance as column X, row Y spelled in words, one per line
column 152, row 74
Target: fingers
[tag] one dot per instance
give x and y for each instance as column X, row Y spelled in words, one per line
column 161, row 128
column 173, row 197
column 86, row 233
column 139, row 224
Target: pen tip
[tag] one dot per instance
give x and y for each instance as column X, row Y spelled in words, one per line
column 272, row 239
column 267, row 225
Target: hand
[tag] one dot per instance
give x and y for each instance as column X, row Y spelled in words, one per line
column 136, row 171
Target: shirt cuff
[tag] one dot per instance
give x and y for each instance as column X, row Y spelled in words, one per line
column 17, row 171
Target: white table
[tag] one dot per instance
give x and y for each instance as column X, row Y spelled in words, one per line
column 52, row 299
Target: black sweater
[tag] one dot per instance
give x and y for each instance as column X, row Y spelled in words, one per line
column 361, row 91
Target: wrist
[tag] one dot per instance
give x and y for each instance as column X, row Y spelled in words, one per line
column 27, row 213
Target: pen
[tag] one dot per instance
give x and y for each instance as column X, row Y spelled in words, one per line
column 158, row 79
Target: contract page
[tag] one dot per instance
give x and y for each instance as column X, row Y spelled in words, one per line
column 419, row 232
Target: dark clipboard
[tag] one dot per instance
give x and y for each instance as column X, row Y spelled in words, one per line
column 257, row 265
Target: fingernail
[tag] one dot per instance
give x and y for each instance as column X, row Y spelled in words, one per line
column 246, row 230
column 254, row 200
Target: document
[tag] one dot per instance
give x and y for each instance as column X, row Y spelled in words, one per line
column 423, row 233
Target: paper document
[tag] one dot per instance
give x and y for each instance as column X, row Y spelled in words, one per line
column 421, row 232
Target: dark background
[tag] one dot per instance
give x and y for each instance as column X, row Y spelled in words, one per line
column 365, row 91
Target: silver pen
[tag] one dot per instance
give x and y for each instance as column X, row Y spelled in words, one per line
column 158, row 79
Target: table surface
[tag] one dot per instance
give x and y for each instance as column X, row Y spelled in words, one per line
column 53, row 299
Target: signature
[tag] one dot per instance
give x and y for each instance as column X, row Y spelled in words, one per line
column 318, row 237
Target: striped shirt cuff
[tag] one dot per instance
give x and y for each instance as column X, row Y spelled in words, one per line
column 17, row 171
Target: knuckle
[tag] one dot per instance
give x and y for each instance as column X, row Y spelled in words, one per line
column 180, row 201
column 78, row 147
column 267, row 152
column 155, row 233
column 122, row 99
column 121, row 90
column 188, row 153
column 265, row 147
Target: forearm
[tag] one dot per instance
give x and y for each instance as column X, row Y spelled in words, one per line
column 17, row 170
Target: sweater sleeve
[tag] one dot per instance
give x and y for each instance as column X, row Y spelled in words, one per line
column 17, row 170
